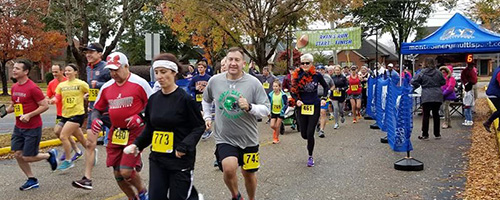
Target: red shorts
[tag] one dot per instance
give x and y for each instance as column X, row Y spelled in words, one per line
column 118, row 160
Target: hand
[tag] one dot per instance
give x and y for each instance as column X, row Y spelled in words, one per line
column 93, row 83
column 86, row 96
column 96, row 126
column 299, row 103
column 243, row 103
column 179, row 154
column 208, row 124
column 131, row 149
column 25, row 118
column 134, row 121
column 323, row 102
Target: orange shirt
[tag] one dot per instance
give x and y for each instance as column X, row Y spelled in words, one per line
column 51, row 92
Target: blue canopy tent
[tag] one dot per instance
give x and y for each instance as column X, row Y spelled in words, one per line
column 458, row 35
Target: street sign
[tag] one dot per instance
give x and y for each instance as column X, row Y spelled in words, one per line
column 152, row 45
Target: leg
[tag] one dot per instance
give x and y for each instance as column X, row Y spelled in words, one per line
column 68, row 129
column 250, row 183
column 336, row 110
column 128, row 163
column 181, row 185
column 322, row 119
column 425, row 119
column 353, row 107
column 25, row 167
column 447, row 117
column 124, row 185
column 313, row 120
column 436, row 119
column 158, row 181
column 229, row 166
column 496, row 114
column 90, row 153
column 358, row 107
column 278, row 127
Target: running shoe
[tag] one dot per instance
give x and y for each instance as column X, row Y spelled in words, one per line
column 83, row 183
column 65, row 165
column 310, row 162
column 423, row 137
column 354, row 120
column 342, row 119
column 487, row 126
column 95, row 156
column 216, row 164
column 336, row 126
column 276, row 141
column 30, row 184
column 206, row 134
column 293, row 126
column 438, row 137
column 52, row 159
column 238, row 197
column 317, row 128
column 321, row 134
column 76, row 156
column 143, row 195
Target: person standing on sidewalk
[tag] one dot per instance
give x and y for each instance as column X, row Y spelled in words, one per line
column 448, row 93
column 431, row 81
column 124, row 97
column 469, row 79
column 27, row 103
column 493, row 93
column 71, row 93
column 57, row 72
column 305, row 82
column 239, row 99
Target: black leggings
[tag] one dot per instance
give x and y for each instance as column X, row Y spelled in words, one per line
column 428, row 107
column 496, row 114
column 176, row 183
column 308, row 126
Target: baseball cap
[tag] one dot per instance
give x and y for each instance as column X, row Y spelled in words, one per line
column 390, row 65
column 93, row 47
column 116, row 60
column 320, row 67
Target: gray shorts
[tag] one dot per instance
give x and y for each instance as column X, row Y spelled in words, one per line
column 26, row 140
column 354, row 96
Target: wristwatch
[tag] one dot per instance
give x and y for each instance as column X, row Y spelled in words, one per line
column 249, row 107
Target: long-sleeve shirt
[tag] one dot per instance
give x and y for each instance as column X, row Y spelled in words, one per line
column 175, row 112
column 200, row 81
column 309, row 93
column 468, row 78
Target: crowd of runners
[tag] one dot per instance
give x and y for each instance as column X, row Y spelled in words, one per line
column 134, row 116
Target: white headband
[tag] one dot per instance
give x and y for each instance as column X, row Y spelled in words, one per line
column 166, row 64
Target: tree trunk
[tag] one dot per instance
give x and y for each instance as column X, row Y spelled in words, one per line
column 260, row 54
column 3, row 75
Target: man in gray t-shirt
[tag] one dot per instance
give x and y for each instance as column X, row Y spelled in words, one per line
column 239, row 98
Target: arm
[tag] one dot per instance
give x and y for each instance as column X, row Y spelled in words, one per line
column 42, row 107
column 416, row 80
column 106, row 76
column 450, row 87
column 261, row 107
column 144, row 140
column 191, row 84
column 188, row 144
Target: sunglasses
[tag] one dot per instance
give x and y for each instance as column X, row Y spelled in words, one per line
column 305, row 63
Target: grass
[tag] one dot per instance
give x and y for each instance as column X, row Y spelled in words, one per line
column 47, row 134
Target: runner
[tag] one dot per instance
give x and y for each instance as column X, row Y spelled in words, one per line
column 363, row 76
column 126, row 96
column 71, row 94
column 321, row 91
column 354, row 93
column 197, row 86
column 97, row 75
column 239, row 99
column 266, row 78
column 279, row 104
column 57, row 72
column 27, row 103
column 305, row 81
column 338, row 95
column 173, row 132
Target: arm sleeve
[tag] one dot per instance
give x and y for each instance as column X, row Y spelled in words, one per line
column 191, row 86
column 144, row 140
column 85, row 87
column 416, row 80
column 188, row 144
column 206, row 110
column 260, row 105
column 106, row 76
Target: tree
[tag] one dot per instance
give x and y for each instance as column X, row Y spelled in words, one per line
column 488, row 11
column 22, row 35
column 284, row 56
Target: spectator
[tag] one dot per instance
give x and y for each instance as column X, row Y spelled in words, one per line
column 493, row 93
column 469, row 79
column 448, row 93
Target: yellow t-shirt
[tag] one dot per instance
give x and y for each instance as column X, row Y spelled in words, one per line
column 72, row 97
column 277, row 103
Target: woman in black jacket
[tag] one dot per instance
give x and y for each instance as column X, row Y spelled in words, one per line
column 174, row 126
column 338, row 94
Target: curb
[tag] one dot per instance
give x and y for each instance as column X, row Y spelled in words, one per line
column 495, row 123
column 46, row 143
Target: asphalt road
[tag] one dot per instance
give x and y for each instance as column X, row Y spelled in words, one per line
column 351, row 163
column 48, row 117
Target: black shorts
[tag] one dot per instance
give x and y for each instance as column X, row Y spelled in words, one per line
column 26, row 140
column 77, row 119
column 223, row 151
column 275, row 116
column 58, row 119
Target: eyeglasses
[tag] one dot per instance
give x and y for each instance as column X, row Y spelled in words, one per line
column 305, row 63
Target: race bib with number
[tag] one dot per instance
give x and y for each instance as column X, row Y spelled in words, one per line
column 354, row 88
column 251, row 161
column 93, row 94
column 70, row 102
column 337, row 93
column 265, row 85
column 18, row 109
column 276, row 109
column 308, row 109
column 120, row 137
column 163, row 142
column 199, row 97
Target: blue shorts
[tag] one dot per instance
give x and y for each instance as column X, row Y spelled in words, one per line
column 325, row 107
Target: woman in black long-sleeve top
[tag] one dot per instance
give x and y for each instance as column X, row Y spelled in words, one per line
column 305, row 81
column 338, row 95
column 174, row 126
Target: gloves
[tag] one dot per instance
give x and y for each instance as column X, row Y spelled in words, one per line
column 134, row 122
column 96, row 126
column 131, row 149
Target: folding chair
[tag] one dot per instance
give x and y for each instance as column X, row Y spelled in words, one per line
column 457, row 107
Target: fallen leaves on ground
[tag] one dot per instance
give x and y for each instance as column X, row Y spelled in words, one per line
column 483, row 172
column 47, row 134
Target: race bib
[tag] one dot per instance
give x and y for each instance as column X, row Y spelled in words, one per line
column 251, row 161
column 307, row 109
column 163, row 142
column 120, row 137
column 354, row 88
column 276, row 109
column 337, row 93
column 265, row 85
column 93, row 94
column 199, row 97
column 70, row 102
column 18, row 109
